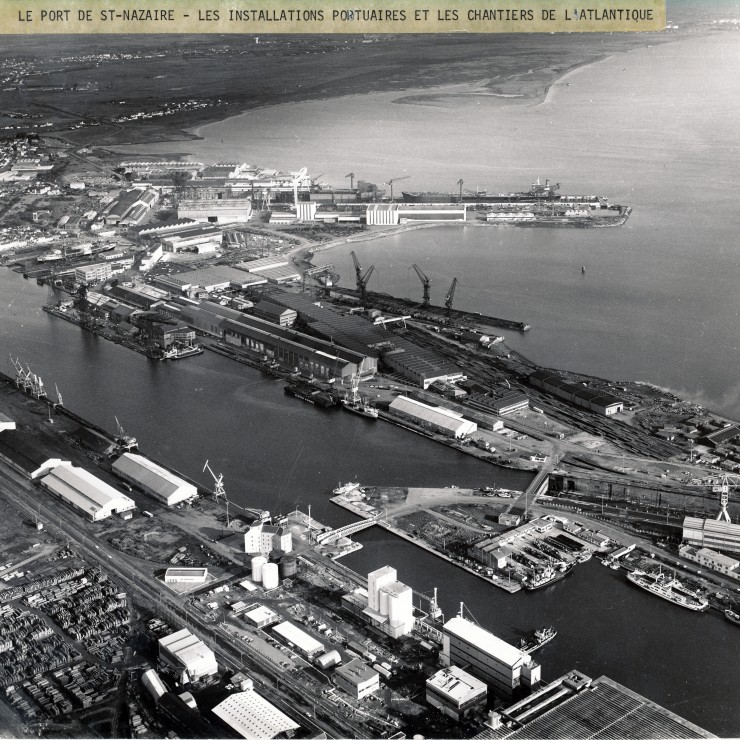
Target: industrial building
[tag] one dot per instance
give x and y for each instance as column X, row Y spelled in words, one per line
column 716, row 535
column 93, row 273
column 389, row 603
column 186, row 575
column 251, row 716
column 141, row 296
column 434, row 418
column 153, row 684
column 455, row 692
column 275, row 314
column 153, row 479
column 299, row 640
column 596, row 401
column 500, row 665
column 189, row 657
column 264, row 538
column 392, row 214
column 6, row 423
column 130, row 206
column 711, row 559
column 212, row 210
column 189, row 237
column 275, row 269
column 210, row 280
column 357, row 679
column 503, row 404
column 576, row 706
column 85, row 492
column 260, row 616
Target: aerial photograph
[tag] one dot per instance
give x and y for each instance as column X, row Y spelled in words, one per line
column 371, row 385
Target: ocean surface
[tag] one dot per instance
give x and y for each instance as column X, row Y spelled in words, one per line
column 655, row 128
column 278, row 453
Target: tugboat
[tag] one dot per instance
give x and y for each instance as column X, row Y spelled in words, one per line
column 355, row 402
column 537, row 639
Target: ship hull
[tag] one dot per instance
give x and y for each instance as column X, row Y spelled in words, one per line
column 667, row 593
column 360, row 409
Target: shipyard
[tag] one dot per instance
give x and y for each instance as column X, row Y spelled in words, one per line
column 288, row 452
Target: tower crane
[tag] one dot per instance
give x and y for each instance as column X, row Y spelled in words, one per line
column 351, row 180
column 460, row 183
column 361, row 278
column 726, row 482
column 426, row 282
column 450, row 296
column 395, row 179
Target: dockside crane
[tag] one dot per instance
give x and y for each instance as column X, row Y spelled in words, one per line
column 450, row 296
column 726, row 482
column 126, row 441
column 460, row 183
column 351, row 180
column 426, row 282
column 362, row 279
column 395, row 179
column 218, row 488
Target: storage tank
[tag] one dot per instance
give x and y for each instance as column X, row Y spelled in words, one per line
column 276, row 555
column 270, row 578
column 288, row 566
column 383, row 602
column 258, row 563
column 328, row 660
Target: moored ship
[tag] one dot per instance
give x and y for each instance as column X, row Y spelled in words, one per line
column 668, row 588
column 343, row 488
column 355, row 403
column 732, row 616
column 537, row 639
column 309, row 394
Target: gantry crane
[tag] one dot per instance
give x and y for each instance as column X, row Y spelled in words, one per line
column 361, row 278
column 450, row 296
column 460, row 183
column 395, row 179
column 426, row 282
column 726, row 482
column 351, row 180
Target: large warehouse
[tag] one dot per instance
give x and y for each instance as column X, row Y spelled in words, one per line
column 184, row 652
column 253, row 717
column 596, row 401
column 434, row 418
column 303, row 642
column 716, row 535
column 486, row 656
column 85, row 492
column 153, row 479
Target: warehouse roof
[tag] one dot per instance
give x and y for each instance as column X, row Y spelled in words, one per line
column 455, row 683
column 251, row 716
column 187, row 648
column 154, row 478
column 302, row 640
column 486, row 641
column 356, row 672
column 437, row 415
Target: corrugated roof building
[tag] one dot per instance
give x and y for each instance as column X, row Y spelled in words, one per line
column 434, row 418
column 183, row 650
column 153, row 479
column 253, row 717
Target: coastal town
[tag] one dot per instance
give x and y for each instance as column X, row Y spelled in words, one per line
column 141, row 600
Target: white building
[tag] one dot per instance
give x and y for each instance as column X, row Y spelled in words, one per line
column 435, row 418
column 253, row 717
column 300, row 640
column 717, row 535
column 190, row 657
column 455, row 692
column 260, row 616
column 153, row 479
column 186, row 575
column 153, row 684
column 389, row 603
column 357, row 679
column 93, row 273
column 6, row 423
column 85, row 492
column 711, row 559
column 487, row 657
column 264, row 538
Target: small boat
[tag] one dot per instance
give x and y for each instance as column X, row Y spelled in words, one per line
column 583, row 269
column 345, row 488
column 537, row 639
column 734, row 617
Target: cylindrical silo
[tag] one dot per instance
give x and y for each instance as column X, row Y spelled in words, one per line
column 383, row 602
column 270, row 577
column 275, row 555
column 288, row 566
column 258, row 563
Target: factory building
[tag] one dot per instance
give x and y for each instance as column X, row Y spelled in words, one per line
column 577, row 706
column 85, row 492
column 716, row 535
column 274, row 269
column 389, row 603
column 260, row 616
column 229, row 210
column 500, row 665
column 153, row 684
column 188, row 656
column 130, row 206
column 6, row 423
column 186, row 575
column 153, row 479
column 711, row 559
column 93, row 273
column 357, row 679
column 275, row 314
column 506, row 403
column 421, row 366
column 211, row 279
column 596, row 401
column 264, row 538
column 299, row 640
column 251, row 716
column 190, row 237
column 433, row 418
column 455, row 692
column 141, row 296
column 392, row 214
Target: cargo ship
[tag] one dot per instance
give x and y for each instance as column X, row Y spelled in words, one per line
column 537, row 639
column 547, row 576
column 537, row 193
column 309, row 394
column 670, row 589
column 355, row 403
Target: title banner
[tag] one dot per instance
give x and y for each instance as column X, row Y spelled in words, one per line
column 329, row 16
